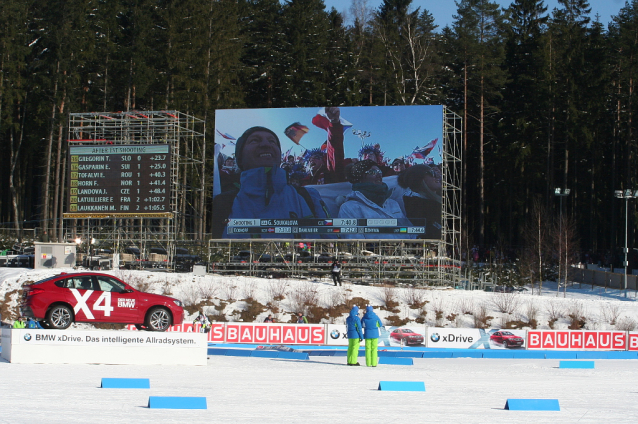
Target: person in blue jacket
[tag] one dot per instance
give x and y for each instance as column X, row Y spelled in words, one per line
column 371, row 324
column 264, row 191
column 355, row 335
column 31, row 323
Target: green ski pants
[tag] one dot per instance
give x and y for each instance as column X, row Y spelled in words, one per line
column 353, row 350
column 371, row 352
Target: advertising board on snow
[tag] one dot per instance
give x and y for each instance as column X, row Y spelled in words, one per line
column 337, row 335
column 34, row 346
column 275, row 333
column 632, row 340
column 475, row 338
column 577, row 340
column 257, row 333
column 406, row 336
column 103, row 338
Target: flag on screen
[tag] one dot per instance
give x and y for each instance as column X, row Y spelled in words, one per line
column 296, row 131
column 226, row 136
column 422, row 152
column 322, row 121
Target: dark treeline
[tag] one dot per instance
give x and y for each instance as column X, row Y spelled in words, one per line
column 546, row 96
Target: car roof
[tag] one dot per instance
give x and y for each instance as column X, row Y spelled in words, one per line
column 73, row 274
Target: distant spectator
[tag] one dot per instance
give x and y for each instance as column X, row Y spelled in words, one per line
column 398, row 165
column 203, row 321
column 374, row 153
column 19, row 323
column 31, row 323
column 316, row 160
column 301, row 318
column 336, row 272
column 269, row 318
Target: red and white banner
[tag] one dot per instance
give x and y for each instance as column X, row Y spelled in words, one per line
column 275, row 333
column 234, row 332
column 577, row 340
column 632, row 342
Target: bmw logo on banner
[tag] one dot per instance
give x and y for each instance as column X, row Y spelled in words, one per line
column 27, row 337
column 435, row 337
column 335, row 334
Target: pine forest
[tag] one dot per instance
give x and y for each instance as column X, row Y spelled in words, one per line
column 546, row 96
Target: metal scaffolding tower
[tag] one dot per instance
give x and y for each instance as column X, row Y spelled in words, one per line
column 184, row 134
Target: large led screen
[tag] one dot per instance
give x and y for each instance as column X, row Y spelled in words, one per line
column 333, row 172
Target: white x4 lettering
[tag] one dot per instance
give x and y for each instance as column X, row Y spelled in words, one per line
column 81, row 305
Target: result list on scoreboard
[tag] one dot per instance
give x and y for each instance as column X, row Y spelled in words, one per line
column 119, row 179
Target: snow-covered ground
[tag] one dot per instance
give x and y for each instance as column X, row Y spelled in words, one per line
column 322, row 390
column 600, row 308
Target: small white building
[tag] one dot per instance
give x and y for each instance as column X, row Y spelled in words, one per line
column 54, row 255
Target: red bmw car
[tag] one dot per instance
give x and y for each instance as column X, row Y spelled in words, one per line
column 59, row 301
column 507, row 339
column 406, row 335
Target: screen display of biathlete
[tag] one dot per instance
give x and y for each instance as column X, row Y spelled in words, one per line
column 349, row 172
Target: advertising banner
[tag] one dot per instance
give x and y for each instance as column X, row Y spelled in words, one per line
column 215, row 333
column 318, row 168
column 632, row 342
column 406, row 336
column 98, row 338
column 475, row 338
column 257, row 333
column 276, row 333
column 337, row 335
column 576, row 340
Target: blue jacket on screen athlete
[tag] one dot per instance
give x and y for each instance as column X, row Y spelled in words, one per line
column 353, row 324
column 371, row 324
column 266, row 194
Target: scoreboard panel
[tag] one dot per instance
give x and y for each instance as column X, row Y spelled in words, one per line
column 119, row 181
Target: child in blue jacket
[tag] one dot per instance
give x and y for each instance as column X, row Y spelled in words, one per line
column 371, row 324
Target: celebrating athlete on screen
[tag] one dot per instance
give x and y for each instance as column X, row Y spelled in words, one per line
column 264, row 190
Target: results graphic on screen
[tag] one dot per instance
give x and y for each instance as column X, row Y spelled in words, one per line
column 119, row 179
column 349, row 172
column 307, row 227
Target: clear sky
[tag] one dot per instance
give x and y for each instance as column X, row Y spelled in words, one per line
column 397, row 129
column 443, row 10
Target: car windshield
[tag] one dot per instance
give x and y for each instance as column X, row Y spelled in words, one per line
column 407, row 330
column 507, row 333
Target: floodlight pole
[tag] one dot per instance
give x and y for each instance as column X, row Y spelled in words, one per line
column 560, row 192
column 626, row 194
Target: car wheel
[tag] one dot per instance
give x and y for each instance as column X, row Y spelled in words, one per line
column 158, row 319
column 505, row 344
column 59, row 317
